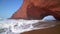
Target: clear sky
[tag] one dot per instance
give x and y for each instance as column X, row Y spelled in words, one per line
column 8, row 7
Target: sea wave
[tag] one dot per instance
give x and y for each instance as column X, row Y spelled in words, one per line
column 13, row 26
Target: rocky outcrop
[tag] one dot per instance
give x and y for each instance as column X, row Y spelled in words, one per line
column 38, row 9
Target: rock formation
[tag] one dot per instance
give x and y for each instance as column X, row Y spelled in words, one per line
column 38, row 9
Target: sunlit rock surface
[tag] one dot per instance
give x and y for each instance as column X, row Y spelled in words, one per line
column 38, row 9
column 12, row 26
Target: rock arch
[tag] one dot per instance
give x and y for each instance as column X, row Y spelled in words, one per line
column 37, row 9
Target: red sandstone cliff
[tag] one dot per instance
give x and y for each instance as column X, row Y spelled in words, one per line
column 37, row 9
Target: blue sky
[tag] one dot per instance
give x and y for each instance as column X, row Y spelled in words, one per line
column 8, row 7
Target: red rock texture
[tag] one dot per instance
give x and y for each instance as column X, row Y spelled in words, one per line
column 38, row 9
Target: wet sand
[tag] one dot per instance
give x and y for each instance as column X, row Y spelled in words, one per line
column 51, row 30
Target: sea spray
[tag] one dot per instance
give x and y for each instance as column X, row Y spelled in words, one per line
column 19, row 26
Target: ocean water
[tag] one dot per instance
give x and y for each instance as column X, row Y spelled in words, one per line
column 12, row 26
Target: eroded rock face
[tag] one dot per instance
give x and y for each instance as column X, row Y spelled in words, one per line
column 37, row 9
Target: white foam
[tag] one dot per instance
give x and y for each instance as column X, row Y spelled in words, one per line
column 19, row 26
